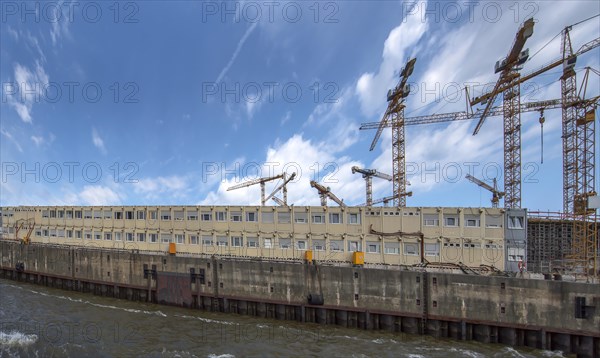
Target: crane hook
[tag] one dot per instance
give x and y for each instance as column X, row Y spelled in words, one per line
column 542, row 120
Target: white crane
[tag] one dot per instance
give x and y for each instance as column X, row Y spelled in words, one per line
column 324, row 193
column 262, row 182
column 368, row 175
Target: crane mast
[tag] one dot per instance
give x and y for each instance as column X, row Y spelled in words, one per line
column 395, row 114
column 283, row 187
column 368, row 175
column 509, row 85
column 579, row 130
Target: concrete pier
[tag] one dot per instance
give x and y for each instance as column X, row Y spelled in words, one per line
column 504, row 310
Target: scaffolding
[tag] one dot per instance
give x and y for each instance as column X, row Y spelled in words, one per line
column 549, row 243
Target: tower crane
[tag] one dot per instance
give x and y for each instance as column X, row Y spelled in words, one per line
column 368, row 175
column 262, row 182
column 324, row 193
column 463, row 116
column 567, row 102
column 384, row 200
column 509, row 86
column 496, row 194
column 578, row 136
column 282, row 186
column 395, row 114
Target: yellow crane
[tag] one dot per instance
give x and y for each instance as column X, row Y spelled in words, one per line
column 578, row 136
column 394, row 114
column 464, row 116
column 325, row 192
column 509, row 86
column 29, row 224
column 368, row 175
column 568, row 102
column 496, row 194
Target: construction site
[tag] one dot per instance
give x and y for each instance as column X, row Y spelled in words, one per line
column 395, row 267
column 557, row 243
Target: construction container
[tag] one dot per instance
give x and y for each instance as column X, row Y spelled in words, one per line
column 358, row 258
column 308, row 256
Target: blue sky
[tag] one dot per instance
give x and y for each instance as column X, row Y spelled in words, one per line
column 154, row 102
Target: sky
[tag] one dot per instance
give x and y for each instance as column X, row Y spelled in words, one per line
column 173, row 102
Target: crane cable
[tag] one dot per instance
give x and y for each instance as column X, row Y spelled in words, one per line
column 542, row 120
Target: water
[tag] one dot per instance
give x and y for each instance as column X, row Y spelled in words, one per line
column 37, row 321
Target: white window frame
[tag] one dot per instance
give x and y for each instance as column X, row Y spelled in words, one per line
column 335, row 221
column 354, row 246
column 268, row 243
column 428, row 247
column 411, row 245
column 251, row 216
column 454, row 218
column 320, row 216
column 192, row 215
column 252, row 242
column 179, row 215
column 354, row 219
column 472, row 222
column 373, row 247
column 516, row 222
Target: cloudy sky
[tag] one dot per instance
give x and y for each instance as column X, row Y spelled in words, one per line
column 173, row 102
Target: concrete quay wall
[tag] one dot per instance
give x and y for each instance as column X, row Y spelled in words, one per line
column 554, row 315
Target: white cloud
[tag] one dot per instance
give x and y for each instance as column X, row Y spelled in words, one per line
column 10, row 137
column 371, row 88
column 454, row 55
column 37, row 140
column 252, row 106
column 310, row 161
column 236, row 52
column 59, row 17
column 286, row 118
column 155, row 188
column 13, row 33
column 98, row 141
column 28, row 89
column 98, row 195
column 41, row 140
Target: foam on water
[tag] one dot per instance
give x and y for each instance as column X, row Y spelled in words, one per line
column 513, row 352
column 208, row 320
column 226, row 355
column 15, row 338
column 78, row 300
column 466, row 353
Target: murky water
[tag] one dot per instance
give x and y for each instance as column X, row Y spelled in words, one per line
column 37, row 321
